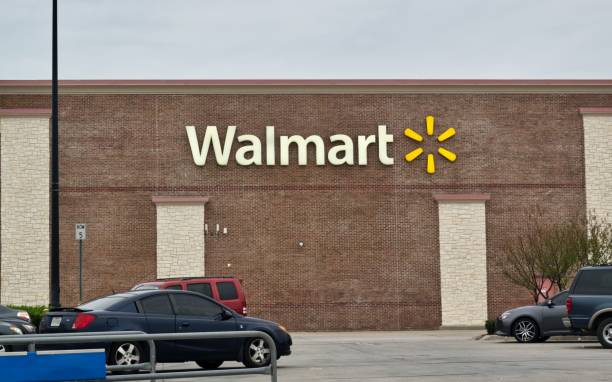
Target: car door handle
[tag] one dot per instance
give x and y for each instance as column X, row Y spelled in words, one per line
column 185, row 324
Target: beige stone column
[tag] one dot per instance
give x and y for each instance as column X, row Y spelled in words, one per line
column 24, row 206
column 597, row 123
column 180, row 235
column 463, row 259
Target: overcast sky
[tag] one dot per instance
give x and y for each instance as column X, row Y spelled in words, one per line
column 200, row 39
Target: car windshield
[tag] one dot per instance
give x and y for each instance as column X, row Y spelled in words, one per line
column 146, row 287
column 103, row 303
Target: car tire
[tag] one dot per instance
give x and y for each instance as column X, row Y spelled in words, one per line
column 525, row 330
column 209, row 365
column 256, row 353
column 127, row 353
column 543, row 339
column 604, row 333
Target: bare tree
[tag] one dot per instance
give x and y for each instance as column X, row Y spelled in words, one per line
column 555, row 251
column 523, row 265
column 564, row 251
column 599, row 241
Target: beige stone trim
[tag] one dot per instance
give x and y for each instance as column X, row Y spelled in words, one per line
column 180, row 199
column 24, row 205
column 598, row 163
column 595, row 110
column 463, row 262
column 25, row 113
column 461, row 197
column 310, row 87
column 180, row 239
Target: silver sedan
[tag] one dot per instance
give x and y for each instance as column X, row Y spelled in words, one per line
column 535, row 323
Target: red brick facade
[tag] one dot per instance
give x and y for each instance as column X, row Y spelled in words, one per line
column 370, row 258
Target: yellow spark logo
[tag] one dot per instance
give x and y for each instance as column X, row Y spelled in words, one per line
column 431, row 164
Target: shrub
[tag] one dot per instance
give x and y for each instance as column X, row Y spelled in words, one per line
column 490, row 326
column 35, row 312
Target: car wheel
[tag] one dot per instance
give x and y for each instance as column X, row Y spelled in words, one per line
column 256, row 353
column 525, row 330
column 604, row 333
column 3, row 349
column 209, row 365
column 126, row 353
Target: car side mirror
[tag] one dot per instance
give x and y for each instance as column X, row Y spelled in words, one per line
column 226, row 315
column 549, row 303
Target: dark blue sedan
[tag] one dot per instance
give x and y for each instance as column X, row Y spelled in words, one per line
column 170, row 311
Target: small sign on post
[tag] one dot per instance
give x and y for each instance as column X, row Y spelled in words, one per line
column 80, row 231
column 80, row 234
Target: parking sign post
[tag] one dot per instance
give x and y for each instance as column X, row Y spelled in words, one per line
column 80, row 233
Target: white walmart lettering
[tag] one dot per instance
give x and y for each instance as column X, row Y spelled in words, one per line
column 341, row 152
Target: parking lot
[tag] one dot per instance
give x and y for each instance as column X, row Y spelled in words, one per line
column 433, row 356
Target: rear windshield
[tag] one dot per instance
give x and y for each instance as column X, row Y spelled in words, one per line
column 4, row 309
column 104, row 303
column 594, row 281
column 146, row 287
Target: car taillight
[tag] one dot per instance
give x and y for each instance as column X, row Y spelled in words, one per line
column 83, row 320
column 244, row 311
column 569, row 304
column 23, row 315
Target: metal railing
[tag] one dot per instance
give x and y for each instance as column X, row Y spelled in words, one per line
column 31, row 340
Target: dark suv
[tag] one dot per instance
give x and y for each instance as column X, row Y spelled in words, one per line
column 589, row 305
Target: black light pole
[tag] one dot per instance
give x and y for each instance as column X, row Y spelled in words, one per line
column 55, row 282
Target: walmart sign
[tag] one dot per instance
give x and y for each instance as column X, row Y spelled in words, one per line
column 250, row 152
column 339, row 149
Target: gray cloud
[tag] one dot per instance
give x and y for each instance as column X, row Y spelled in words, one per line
column 309, row 39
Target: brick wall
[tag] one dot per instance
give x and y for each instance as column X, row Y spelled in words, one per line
column 24, row 202
column 371, row 242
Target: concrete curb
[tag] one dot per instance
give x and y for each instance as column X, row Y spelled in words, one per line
column 494, row 338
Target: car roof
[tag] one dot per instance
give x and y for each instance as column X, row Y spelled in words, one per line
column 147, row 292
column 190, row 278
column 150, row 283
column 599, row 266
column 6, row 309
column 137, row 294
column 144, row 292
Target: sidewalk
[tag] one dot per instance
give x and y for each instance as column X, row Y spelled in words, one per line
column 383, row 336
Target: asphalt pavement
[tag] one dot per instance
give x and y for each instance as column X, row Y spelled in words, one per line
column 442, row 355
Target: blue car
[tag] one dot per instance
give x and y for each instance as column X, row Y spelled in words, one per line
column 170, row 311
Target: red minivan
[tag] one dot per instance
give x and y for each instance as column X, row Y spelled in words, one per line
column 226, row 290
